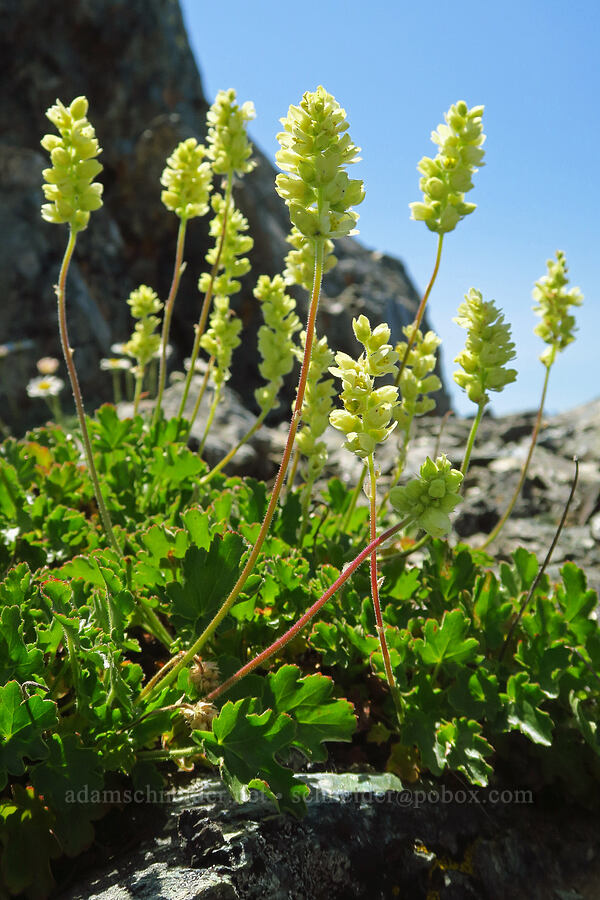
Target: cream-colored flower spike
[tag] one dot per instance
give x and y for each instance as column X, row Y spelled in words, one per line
column 70, row 187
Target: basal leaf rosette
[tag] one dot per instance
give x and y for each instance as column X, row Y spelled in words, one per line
column 488, row 348
column 553, row 304
column 429, row 498
column 70, row 187
column 187, row 180
column 228, row 146
column 315, row 150
column 447, row 178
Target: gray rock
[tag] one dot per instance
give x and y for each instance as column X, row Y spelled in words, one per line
column 363, row 836
column 132, row 59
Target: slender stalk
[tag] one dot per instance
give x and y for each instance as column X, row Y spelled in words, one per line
column 116, row 379
column 534, row 436
column 68, row 355
column 538, row 577
column 139, row 380
column 374, row 583
column 470, row 443
column 211, row 415
column 354, row 499
column 177, row 270
column 304, row 619
column 292, row 472
column 223, row 462
column 421, row 309
column 200, row 327
column 177, row 753
column 296, row 415
column 201, row 393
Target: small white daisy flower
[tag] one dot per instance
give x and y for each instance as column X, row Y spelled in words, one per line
column 119, row 349
column 115, row 364
column 45, row 386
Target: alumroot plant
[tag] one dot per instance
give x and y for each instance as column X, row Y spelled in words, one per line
column 73, row 195
column 315, row 152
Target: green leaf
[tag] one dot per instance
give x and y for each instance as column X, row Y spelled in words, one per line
column 522, row 699
column 544, row 664
column 577, row 602
column 197, row 525
column 466, row 749
column 208, row 577
column 318, row 716
column 17, row 660
column 22, row 723
column 588, row 724
column 245, row 744
column 475, row 694
column 445, row 642
column 110, row 431
column 28, row 845
column 67, row 780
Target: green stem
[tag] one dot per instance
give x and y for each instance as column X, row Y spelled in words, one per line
column 421, row 309
column 68, row 355
column 139, row 380
column 200, row 327
column 474, row 428
column 354, row 499
column 304, row 619
column 201, row 393
column 222, row 463
column 536, row 428
column 177, row 753
column 211, row 415
column 116, row 387
column 177, row 270
column 296, row 415
column 375, row 585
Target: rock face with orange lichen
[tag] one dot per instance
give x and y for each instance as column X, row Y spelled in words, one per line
column 131, row 58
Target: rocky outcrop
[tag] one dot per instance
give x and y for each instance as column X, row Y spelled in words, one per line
column 132, row 59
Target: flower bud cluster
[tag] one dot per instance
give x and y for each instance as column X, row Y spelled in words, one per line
column 205, row 675
column 553, row 302
column 417, row 379
column 429, row 498
column 69, row 183
column 275, row 337
column 232, row 263
column 300, row 262
column 488, row 348
column 228, row 144
column 447, row 178
column 315, row 149
column 187, row 180
column 316, row 408
column 144, row 341
column 366, row 419
column 221, row 339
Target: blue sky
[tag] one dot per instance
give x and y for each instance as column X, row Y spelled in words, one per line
column 396, row 67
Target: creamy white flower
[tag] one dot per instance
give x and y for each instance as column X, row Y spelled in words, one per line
column 47, row 365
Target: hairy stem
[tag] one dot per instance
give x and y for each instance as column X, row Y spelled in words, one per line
column 534, row 436
column 177, row 270
column 211, row 415
column 421, row 309
column 374, row 583
column 201, row 326
column 223, row 462
column 471, row 442
column 68, row 355
column 296, row 415
column 304, row 619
